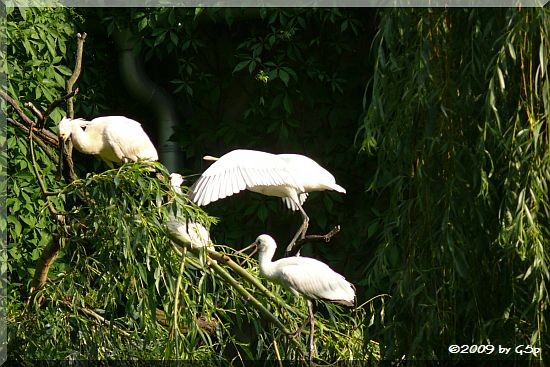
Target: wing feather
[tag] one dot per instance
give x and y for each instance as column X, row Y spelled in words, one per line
column 126, row 137
column 239, row 170
column 315, row 279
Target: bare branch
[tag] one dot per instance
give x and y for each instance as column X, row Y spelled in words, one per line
column 42, row 120
column 35, row 110
column 46, row 136
column 68, row 148
column 16, row 107
column 43, row 141
column 314, row 237
column 80, row 39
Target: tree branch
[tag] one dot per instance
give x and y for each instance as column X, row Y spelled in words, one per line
column 43, row 265
column 314, row 237
column 216, row 257
column 45, row 145
column 46, row 136
column 43, row 116
column 67, row 152
column 80, row 39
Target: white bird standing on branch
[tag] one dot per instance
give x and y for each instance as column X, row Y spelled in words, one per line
column 115, row 139
column 289, row 176
column 304, row 276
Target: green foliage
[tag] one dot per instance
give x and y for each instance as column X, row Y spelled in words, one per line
column 38, row 40
column 458, row 123
column 115, row 297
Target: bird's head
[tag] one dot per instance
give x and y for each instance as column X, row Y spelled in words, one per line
column 65, row 128
column 261, row 245
column 264, row 242
column 176, row 180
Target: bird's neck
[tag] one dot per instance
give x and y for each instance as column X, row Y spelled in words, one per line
column 265, row 263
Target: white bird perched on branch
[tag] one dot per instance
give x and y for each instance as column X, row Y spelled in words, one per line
column 115, row 139
column 289, row 176
column 304, row 276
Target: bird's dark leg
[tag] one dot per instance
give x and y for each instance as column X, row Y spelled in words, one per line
column 301, row 231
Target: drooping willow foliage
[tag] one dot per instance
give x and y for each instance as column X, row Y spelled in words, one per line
column 458, row 120
column 120, row 289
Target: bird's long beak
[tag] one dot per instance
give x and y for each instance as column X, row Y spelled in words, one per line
column 253, row 246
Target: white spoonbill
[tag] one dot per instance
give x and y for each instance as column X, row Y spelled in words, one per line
column 115, row 139
column 192, row 233
column 304, row 276
column 289, row 176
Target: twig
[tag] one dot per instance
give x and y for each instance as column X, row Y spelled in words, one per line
column 18, row 109
column 314, row 237
column 39, row 140
column 42, row 119
column 41, row 183
column 35, row 111
column 44, row 135
column 95, row 315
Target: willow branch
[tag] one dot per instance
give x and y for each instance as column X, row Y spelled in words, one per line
column 213, row 263
column 248, row 297
column 96, row 316
column 177, row 293
column 225, row 259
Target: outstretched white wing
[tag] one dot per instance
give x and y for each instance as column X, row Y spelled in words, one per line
column 240, row 170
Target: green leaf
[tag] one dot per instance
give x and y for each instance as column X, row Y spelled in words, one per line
column 174, row 38
column 241, row 65
column 500, row 78
column 284, row 76
column 143, row 22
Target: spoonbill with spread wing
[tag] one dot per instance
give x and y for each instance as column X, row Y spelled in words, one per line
column 289, row 176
